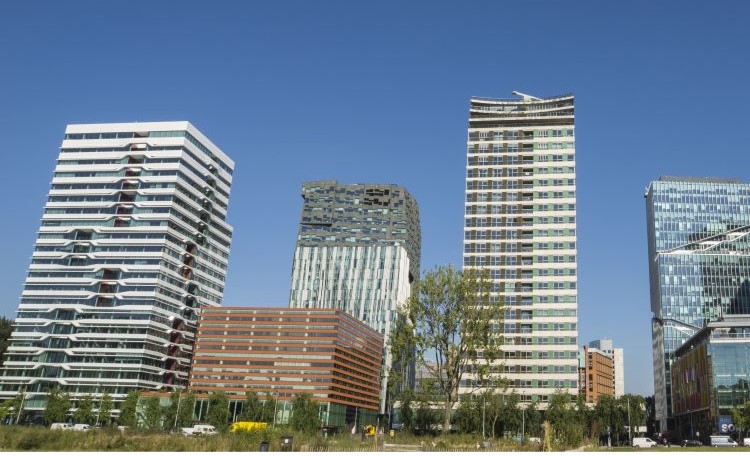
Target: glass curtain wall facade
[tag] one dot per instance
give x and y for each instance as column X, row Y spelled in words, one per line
column 699, row 265
column 358, row 250
column 133, row 241
column 711, row 376
column 520, row 225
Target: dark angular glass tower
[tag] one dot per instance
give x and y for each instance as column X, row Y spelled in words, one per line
column 358, row 249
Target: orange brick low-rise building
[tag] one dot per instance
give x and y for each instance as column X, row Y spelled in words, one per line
column 595, row 374
column 324, row 352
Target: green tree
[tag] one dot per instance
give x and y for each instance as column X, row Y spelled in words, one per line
column 153, row 414
column 609, row 418
column 305, row 414
column 218, row 409
column 252, row 408
column 58, row 404
column 532, row 420
column 636, row 406
column 512, row 414
column 9, row 408
column 567, row 430
column 494, row 408
column 584, row 415
column 741, row 418
column 170, row 411
column 105, row 410
column 6, row 410
column 426, row 418
column 450, row 323
column 128, row 409
column 268, row 408
column 401, row 349
column 406, row 411
column 85, row 412
column 187, row 407
column 468, row 417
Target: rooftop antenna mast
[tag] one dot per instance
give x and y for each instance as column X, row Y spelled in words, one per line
column 526, row 97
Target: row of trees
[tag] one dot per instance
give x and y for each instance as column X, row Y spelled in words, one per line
column 178, row 413
column 495, row 414
column 89, row 410
column 449, row 328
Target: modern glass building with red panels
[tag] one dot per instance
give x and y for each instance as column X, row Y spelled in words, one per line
column 324, row 352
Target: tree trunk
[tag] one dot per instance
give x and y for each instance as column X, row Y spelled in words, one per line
column 447, row 416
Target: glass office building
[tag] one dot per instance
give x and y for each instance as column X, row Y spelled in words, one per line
column 520, row 225
column 711, row 376
column 699, row 265
column 358, row 250
column 133, row 241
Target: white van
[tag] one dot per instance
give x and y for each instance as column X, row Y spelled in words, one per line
column 81, row 427
column 722, row 440
column 200, row 429
column 59, row 426
column 643, row 442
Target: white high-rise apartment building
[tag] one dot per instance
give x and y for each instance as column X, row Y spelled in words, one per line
column 520, row 225
column 133, row 241
column 606, row 346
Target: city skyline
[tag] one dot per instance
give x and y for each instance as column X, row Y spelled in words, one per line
column 376, row 88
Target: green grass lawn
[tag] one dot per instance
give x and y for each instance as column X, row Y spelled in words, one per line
column 23, row 438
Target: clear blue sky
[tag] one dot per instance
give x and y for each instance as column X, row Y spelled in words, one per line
column 379, row 92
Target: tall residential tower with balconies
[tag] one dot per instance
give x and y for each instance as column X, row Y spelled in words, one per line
column 520, row 225
column 133, row 241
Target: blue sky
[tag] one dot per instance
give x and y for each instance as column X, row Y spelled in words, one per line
column 379, row 92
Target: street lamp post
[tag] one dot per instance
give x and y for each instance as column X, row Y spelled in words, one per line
column 20, row 407
column 275, row 403
column 99, row 411
column 177, row 413
column 630, row 434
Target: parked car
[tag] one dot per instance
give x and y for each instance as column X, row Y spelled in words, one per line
column 200, row 429
column 59, row 426
column 81, row 427
column 722, row 440
column 690, row 443
column 643, row 442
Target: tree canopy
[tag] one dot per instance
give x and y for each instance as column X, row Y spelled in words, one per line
column 305, row 414
column 85, row 412
column 105, row 410
column 449, row 331
column 128, row 408
column 218, row 409
column 58, row 404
